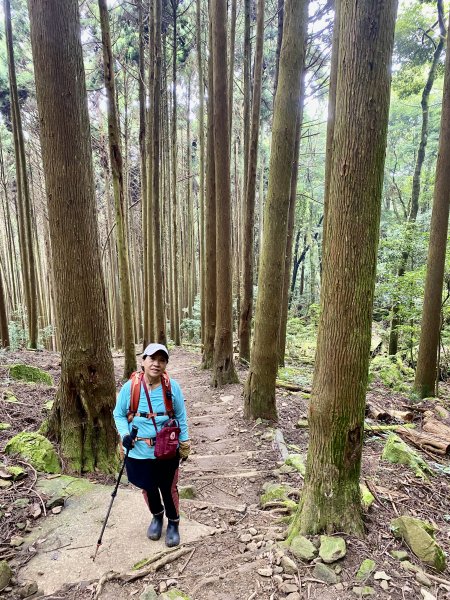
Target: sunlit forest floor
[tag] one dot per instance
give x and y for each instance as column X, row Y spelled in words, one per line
column 232, row 462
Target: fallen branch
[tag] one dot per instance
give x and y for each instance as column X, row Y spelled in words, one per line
column 154, row 564
column 426, row 441
column 292, row 387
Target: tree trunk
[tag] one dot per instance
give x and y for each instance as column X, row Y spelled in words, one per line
column 157, row 283
column 427, row 363
column 81, row 419
column 331, row 496
column 210, row 223
column 176, row 293
column 201, row 166
column 23, row 193
column 247, row 89
column 259, row 392
column 115, row 156
column 248, row 252
column 280, row 10
column 4, row 335
column 223, row 366
column 231, row 65
column 415, row 193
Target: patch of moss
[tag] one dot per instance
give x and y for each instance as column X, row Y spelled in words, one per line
column 16, row 472
column 49, row 404
column 274, row 492
column 30, row 374
column 4, row 426
column 174, row 594
column 397, row 452
column 297, row 461
column 392, row 372
column 37, row 449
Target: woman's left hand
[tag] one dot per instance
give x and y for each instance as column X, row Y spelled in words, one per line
column 185, row 449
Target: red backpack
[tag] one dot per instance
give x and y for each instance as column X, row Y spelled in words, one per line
column 135, row 394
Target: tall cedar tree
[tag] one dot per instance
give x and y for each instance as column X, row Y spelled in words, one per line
column 259, row 393
column 81, row 419
column 4, row 334
column 210, row 223
column 23, row 193
column 427, row 361
column 115, row 156
column 223, row 366
column 331, row 496
column 420, row 159
column 249, row 199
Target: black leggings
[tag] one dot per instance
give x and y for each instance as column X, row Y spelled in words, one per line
column 157, row 478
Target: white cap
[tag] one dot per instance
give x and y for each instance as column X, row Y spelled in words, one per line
column 154, row 348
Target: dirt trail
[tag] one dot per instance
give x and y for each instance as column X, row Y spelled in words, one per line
column 234, row 544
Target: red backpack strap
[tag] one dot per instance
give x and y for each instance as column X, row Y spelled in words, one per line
column 167, row 394
column 135, row 393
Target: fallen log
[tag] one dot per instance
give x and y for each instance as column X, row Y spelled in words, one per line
column 292, row 387
column 385, row 414
column 437, row 428
column 425, row 441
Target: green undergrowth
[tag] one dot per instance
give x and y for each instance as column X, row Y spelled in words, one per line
column 393, row 372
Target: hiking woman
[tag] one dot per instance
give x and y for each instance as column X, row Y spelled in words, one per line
column 156, row 477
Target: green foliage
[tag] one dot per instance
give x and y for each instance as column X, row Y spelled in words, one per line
column 30, row 374
column 392, row 372
column 190, row 328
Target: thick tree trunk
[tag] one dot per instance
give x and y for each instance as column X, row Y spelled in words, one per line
column 115, row 157
column 415, row 193
column 259, row 392
column 81, row 419
column 210, row 223
column 23, row 193
column 331, row 497
column 248, row 252
column 247, row 89
column 223, row 366
column 427, row 361
column 280, row 20
column 4, row 335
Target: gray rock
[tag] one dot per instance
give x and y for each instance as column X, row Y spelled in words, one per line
column 365, row 570
column 265, row 572
column 149, row 593
column 324, row 573
column 288, row 588
column 423, row 579
column 28, row 589
column 293, row 596
column 362, row 592
column 289, row 566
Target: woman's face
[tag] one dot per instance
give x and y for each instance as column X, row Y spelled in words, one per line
column 155, row 365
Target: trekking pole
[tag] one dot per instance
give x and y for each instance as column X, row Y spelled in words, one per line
column 133, row 434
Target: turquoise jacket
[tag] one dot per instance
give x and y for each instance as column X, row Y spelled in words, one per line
column 145, row 426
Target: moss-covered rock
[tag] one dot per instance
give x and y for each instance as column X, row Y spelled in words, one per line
column 30, row 374
column 392, row 372
column 302, row 548
column 397, row 452
column 36, row 449
column 187, row 492
column 5, row 574
column 365, row 570
column 5, row 426
column 174, row 594
column 297, row 461
column 367, row 498
column 418, row 535
column 16, row 472
column 274, row 492
column 332, row 548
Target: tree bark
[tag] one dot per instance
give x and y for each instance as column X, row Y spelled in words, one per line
column 427, row 361
column 210, row 222
column 248, row 252
column 115, row 157
column 223, row 366
column 23, row 193
column 81, row 419
column 4, row 334
column 415, row 193
column 157, row 283
column 259, row 392
column 331, row 496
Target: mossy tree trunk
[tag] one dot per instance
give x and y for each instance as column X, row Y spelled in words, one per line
column 427, row 361
column 248, row 251
column 115, row 156
column 331, row 497
column 223, row 366
column 259, row 392
column 81, row 419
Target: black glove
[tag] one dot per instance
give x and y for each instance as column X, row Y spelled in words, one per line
column 128, row 441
